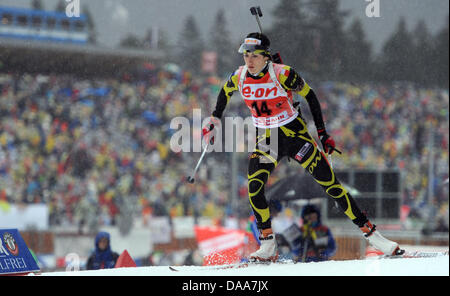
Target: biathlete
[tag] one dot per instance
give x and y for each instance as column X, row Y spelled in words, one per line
column 267, row 89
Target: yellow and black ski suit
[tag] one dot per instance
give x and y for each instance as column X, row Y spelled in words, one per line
column 294, row 141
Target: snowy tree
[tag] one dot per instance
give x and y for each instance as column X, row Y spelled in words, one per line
column 190, row 46
column 440, row 52
column 357, row 61
column 331, row 39
column 396, row 55
column 291, row 35
column 131, row 41
column 421, row 64
column 220, row 43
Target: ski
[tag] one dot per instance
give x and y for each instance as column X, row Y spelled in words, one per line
column 238, row 265
column 415, row 254
column 405, row 255
column 226, row 266
column 254, row 263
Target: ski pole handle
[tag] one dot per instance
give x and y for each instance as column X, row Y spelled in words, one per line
column 256, row 11
column 334, row 148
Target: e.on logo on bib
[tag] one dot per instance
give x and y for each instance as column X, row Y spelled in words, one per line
column 260, row 91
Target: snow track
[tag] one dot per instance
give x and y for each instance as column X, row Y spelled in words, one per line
column 438, row 266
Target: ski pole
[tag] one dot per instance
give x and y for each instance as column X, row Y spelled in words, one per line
column 306, row 241
column 305, row 249
column 191, row 179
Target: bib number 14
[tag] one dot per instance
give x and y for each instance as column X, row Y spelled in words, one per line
column 262, row 109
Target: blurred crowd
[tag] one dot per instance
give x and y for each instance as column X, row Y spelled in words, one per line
column 395, row 127
column 97, row 151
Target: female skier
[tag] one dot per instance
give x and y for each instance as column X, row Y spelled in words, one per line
column 267, row 89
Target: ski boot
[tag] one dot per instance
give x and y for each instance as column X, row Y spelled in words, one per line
column 268, row 250
column 379, row 242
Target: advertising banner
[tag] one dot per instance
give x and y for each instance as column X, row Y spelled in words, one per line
column 220, row 245
column 15, row 257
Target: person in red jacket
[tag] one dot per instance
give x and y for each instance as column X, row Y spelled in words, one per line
column 267, row 89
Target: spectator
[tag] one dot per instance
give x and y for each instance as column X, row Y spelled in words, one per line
column 316, row 242
column 102, row 257
column 311, row 242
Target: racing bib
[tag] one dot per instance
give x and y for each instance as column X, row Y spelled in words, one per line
column 269, row 103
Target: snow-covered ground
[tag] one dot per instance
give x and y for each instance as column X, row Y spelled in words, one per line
column 437, row 266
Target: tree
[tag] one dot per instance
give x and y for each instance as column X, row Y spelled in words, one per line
column 190, row 46
column 131, row 41
column 330, row 39
column 440, row 53
column 421, row 64
column 220, row 43
column 395, row 59
column 290, row 34
column 357, row 61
